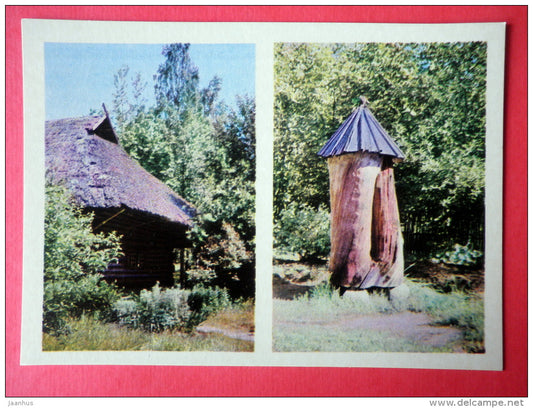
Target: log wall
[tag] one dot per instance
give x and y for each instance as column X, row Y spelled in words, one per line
column 148, row 244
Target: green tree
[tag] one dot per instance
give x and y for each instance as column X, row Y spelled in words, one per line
column 146, row 138
column 204, row 151
column 128, row 97
column 177, row 79
column 73, row 258
column 429, row 97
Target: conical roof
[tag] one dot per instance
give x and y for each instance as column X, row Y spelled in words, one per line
column 361, row 132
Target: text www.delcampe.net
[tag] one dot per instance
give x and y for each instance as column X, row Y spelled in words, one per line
column 492, row 403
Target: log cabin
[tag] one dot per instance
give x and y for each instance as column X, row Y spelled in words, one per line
column 366, row 237
column 84, row 154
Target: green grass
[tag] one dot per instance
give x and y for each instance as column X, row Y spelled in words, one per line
column 239, row 316
column 300, row 324
column 323, row 304
column 89, row 334
column 313, row 338
column 459, row 309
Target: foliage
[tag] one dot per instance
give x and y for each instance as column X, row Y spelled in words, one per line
column 73, row 258
column 203, row 150
column 205, row 301
column 146, row 139
column 177, row 79
column 430, row 97
column 155, row 310
column 463, row 255
column 219, row 254
column 303, row 230
column 127, row 103
column 173, row 308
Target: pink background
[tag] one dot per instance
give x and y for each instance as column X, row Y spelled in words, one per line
column 34, row 381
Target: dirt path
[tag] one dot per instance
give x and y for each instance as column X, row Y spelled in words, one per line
column 234, row 334
column 416, row 327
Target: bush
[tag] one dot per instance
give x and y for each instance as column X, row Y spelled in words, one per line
column 159, row 309
column 220, row 256
column 303, row 230
column 462, row 255
column 127, row 312
column 73, row 258
column 204, row 301
column 155, row 310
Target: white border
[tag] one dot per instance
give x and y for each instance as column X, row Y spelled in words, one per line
column 263, row 35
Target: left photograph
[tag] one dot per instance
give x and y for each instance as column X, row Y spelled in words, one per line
column 149, row 240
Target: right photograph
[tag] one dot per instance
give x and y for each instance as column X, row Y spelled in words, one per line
column 379, row 197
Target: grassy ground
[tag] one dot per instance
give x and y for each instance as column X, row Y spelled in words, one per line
column 89, row 334
column 318, row 319
column 235, row 322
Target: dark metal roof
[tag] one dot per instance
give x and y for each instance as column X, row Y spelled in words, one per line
column 83, row 154
column 361, row 132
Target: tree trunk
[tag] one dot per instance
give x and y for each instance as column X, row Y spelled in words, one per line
column 366, row 241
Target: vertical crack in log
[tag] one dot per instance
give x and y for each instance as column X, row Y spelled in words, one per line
column 365, row 228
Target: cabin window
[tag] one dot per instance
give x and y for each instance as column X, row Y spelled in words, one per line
column 134, row 261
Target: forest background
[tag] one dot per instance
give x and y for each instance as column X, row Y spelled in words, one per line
column 430, row 97
column 205, row 151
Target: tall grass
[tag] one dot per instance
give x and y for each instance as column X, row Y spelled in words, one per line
column 325, row 304
column 458, row 309
column 239, row 316
column 89, row 334
column 299, row 325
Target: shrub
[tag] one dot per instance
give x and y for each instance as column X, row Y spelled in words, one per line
column 303, row 230
column 159, row 309
column 73, row 258
column 462, row 255
column 204, row 301
column 127, row 312
column 220, row 256
column 155, row 310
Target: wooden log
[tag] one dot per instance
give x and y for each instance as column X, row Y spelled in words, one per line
column 387, row 242
column 366, row 243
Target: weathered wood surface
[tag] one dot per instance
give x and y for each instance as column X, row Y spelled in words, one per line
column 366, row 240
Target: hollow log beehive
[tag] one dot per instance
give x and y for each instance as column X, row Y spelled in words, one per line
column 366, row 237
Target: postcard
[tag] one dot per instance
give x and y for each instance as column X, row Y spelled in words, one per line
column 263, row 194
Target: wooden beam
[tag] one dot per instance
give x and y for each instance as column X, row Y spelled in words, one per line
column 110, row 218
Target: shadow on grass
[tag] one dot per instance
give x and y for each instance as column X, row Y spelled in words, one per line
column 285, row 290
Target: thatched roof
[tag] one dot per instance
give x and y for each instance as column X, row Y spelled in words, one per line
column 84, row 154
column 361, row 132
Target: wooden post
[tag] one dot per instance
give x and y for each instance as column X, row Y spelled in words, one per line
column 182, row 268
